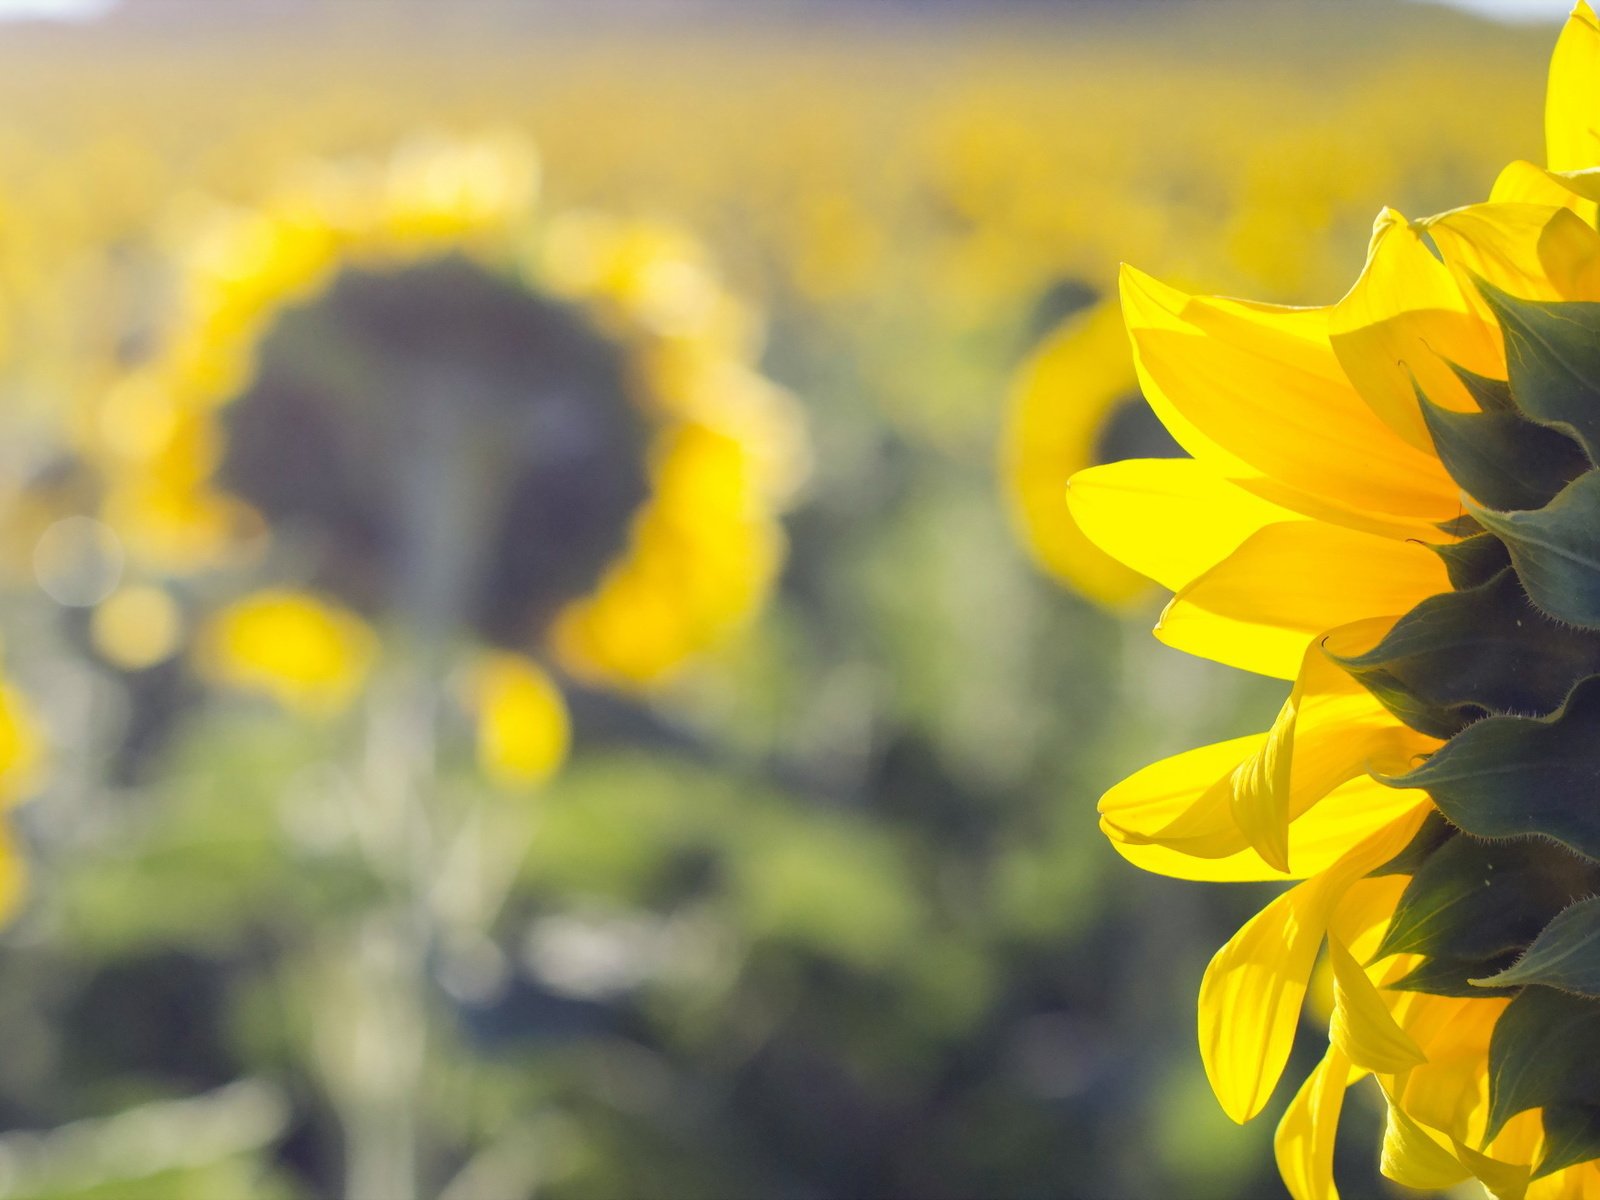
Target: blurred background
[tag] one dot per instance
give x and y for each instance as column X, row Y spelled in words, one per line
column 544, row 654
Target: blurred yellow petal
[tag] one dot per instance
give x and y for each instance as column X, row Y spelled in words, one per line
column 1572, row 104
column 1170, row 519
column 22, row 747
column 1256, row 390
column 308, row 654
column 523, row 729
column 1304, row 1141
column 1064, row 396
column 1258, row 608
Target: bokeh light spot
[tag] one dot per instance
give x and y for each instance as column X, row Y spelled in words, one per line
column 78, row 561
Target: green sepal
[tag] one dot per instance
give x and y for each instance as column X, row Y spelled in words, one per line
column 1511, row 776
column 1491, row 395
column 1571, row 1136
column 1462, row 655
column 1556, row 550
column 1502, row 459
column 1475, row 899
column 1463, row 526
column 1473, row 560
column 1453, row 977
column 1565, row 955
column 1542, row 1053
column 1434, row 832
column 1553, row 361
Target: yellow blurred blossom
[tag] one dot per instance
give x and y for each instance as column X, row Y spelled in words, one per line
column 306, row 653
column 523, row 730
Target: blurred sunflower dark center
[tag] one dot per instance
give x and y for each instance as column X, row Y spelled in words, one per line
column 1132, row 430
column 442, row 443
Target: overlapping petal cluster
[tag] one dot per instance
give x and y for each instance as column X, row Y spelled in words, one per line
column 1394, row 502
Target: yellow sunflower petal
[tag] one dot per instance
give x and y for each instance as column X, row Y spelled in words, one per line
column 1257, row 390
column 1532, row 251
column 1316, row 841
column 1400, row 327
column 1575, row 1183
column 1572, row 104
column 1414, row 1157
column 1498, row 243
column 1501, row 1179
column 1303, row 1144
column 1287, row 774
column 1362, row 1025
column 1523, row 182
column 1449, row 1092
column 1569, row 251
column 1171, row 519
column 1287, row 583
column 1251, row 997
column 1254, row 987
column 1216, row 800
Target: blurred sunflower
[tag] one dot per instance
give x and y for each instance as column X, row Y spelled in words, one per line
column 1045, row 440
column 1393, row 501
column 22, row 754
column 396, row 383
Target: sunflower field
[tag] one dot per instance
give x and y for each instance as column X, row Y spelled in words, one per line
column 547, row 650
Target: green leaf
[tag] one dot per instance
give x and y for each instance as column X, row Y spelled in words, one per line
column 1553, row 360
column 1510, row 776
column 1542, row 1053
column 1565, row 955
column 1556, row 550
column 1475, row 899
column 1453, row 976
column 1434, row 832
column 1502, row 459
column 1571, row 1136
column 1460, row 655
column 1473, row 560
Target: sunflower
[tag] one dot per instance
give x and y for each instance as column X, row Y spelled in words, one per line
column 398, row 360
column 1045, row 441
column 1392, row 501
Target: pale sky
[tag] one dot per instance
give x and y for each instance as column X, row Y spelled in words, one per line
column 64, row 9
column 1506, row 10
column 1514, row 10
